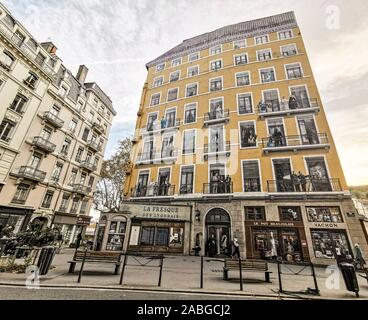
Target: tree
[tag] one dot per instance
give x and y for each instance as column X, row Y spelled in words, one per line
column 108, row 196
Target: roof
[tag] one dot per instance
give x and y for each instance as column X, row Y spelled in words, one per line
column 229, row 33
column 93, row 86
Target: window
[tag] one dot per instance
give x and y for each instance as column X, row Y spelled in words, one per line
column 245, row 104
column 19, row 38
column 261, row 39
column 215, row 50
column 73, row 125
column 187, row 180
column 162, row 237
column 19, row 103
column 95, row 102
column 35, row 160
column 78, row 157
column 216, row 139
column 31, row 80
column 248, row 137
column 152, row 121
column 192, row 89
column 276, row 132
column 83, row 177
column 193, row 56
column 80, row 106
column 40, row 59
column 264, row 55
column 155, row 99
column 21, row 194
column 318, row 174
column 175, row 76
column 288, row 50
column 91, row 181
column 96, row 161
column 172, row 94
column 6, row 60
column 55, row 176
column 91, row 115
column 83, row 207
column 308, row 130
column 216, row 84
column 85, row 134
column 65, row 147
column 241, row 59
column 251, row 177
column 170, row 117
column 330, row 244
column 63, row 91
column 158, row 81
column 239, row 44
column 216, row 65
column 176, row 62
column 64, row 203
column 242, row 79
column 46, row 133
column 73, row 177
column 190, row 113
column 294, row 71
column 193, row 71
column 290, row 214
column 216, row 109
column 285, row 35
column 160, row 67
column 46, row 203
column 75, row 205
column 267, row 75
column 189, row 142
column 147, row 236
column 6, row 129
column 255, row 213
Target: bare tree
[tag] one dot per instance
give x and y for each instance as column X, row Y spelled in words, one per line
column 109, row 191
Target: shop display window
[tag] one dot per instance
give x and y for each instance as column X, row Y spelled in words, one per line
column 255, row 213
column 115, row 240
column 331, row 244
column 324, row 214
column 290, row 214
column 176, row 237
column 162, row 237
column 147, row 236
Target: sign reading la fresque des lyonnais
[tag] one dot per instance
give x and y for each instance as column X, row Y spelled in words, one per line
column 158, row 212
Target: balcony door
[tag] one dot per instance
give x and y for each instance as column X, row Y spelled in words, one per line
column 217, row 178
column 170, row 118
column 142, row 184
column 152, row 121
column 148, row 150
column 167, row 150
column 187, row 180
column 164, row 181
column 216, row 109
column 35, row 160
column 301, row 96
column 216, row 139
column 276, row 133
column 318, row 174
column 271, row 99
column 282, row 171
column 308, row 130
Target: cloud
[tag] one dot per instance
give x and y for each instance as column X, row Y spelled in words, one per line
column 115, row 38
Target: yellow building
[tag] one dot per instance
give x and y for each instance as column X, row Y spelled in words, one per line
column 232, row 126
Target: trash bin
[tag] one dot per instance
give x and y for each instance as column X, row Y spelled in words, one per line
column 45, row 259
column 350, row 278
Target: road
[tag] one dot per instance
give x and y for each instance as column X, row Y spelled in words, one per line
column 22, row 293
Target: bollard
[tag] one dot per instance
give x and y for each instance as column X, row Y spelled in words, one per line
column 202, row 272
column 240, row 274
column 161, row 266
column 123, row 269
column 82, row 266
column 279, row 274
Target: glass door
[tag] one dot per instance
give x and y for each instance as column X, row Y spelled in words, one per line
column 300, row 93
column 282, row 169
column 142, row 184
column 216, row 139
column 163, row 182
column 318, row 174
column 170, row 119
column 308, row 130
column 271, row 100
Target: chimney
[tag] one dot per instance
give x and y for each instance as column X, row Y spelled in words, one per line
column 49, row 47
column 82, row 73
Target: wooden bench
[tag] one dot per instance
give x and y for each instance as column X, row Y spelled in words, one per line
column 96, row 257
column 246, row 266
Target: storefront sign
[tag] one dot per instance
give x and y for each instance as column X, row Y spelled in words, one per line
column 134, row 236
column 272, row 224
column 325, row 225
column 180, row 213
column 83, row 221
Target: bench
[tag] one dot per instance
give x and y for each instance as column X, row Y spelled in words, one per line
column 365, row 276
column 246, row 265
column 96, row 257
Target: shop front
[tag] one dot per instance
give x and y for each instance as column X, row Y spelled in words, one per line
column 13, row 220
column 70, row 226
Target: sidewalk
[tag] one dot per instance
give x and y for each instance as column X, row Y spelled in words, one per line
column 182, row 274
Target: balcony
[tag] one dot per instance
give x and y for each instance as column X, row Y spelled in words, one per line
column 161, row 128
column 82, row 189
column 295, row 143
column 53, row 119
column 30, row 173
column 252, row 185
column 153, row 191
column 165, row 156
column 88, row 166
column 271, row 108
column 25, row 49
column 186, row 189
column 43, row 144
column 94, row 145
column 220, row 187
column 306, row 186
column 217, row 150
column 215, row 117
column 99, row 128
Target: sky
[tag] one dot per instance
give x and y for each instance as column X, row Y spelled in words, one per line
column 116, row 38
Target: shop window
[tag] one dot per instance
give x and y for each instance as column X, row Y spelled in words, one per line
column 324, row 214
column 162, row 237
column 47, row 199
column 147, row 236
column 21, row 194
column 255, row 213
column 331, row 244
column 290, row 213
column 116, row 236
column 176, row 237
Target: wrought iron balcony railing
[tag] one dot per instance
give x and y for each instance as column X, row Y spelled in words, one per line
column 43, row 144
column 88, row 166
column 275, row 106
column 304, row 185
column 94, row 145
column 217, row 149
column 218, row 187
column 53, row 119
column 161, row 127
column 98, row 127
column 186, row 189
column 30, row 173
column 154, row 156
column 82, row 189
column 216, row 116
column 252, row 185
column 154, row 191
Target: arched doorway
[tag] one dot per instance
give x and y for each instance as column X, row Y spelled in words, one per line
column 39, row 223
column 218, row 233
